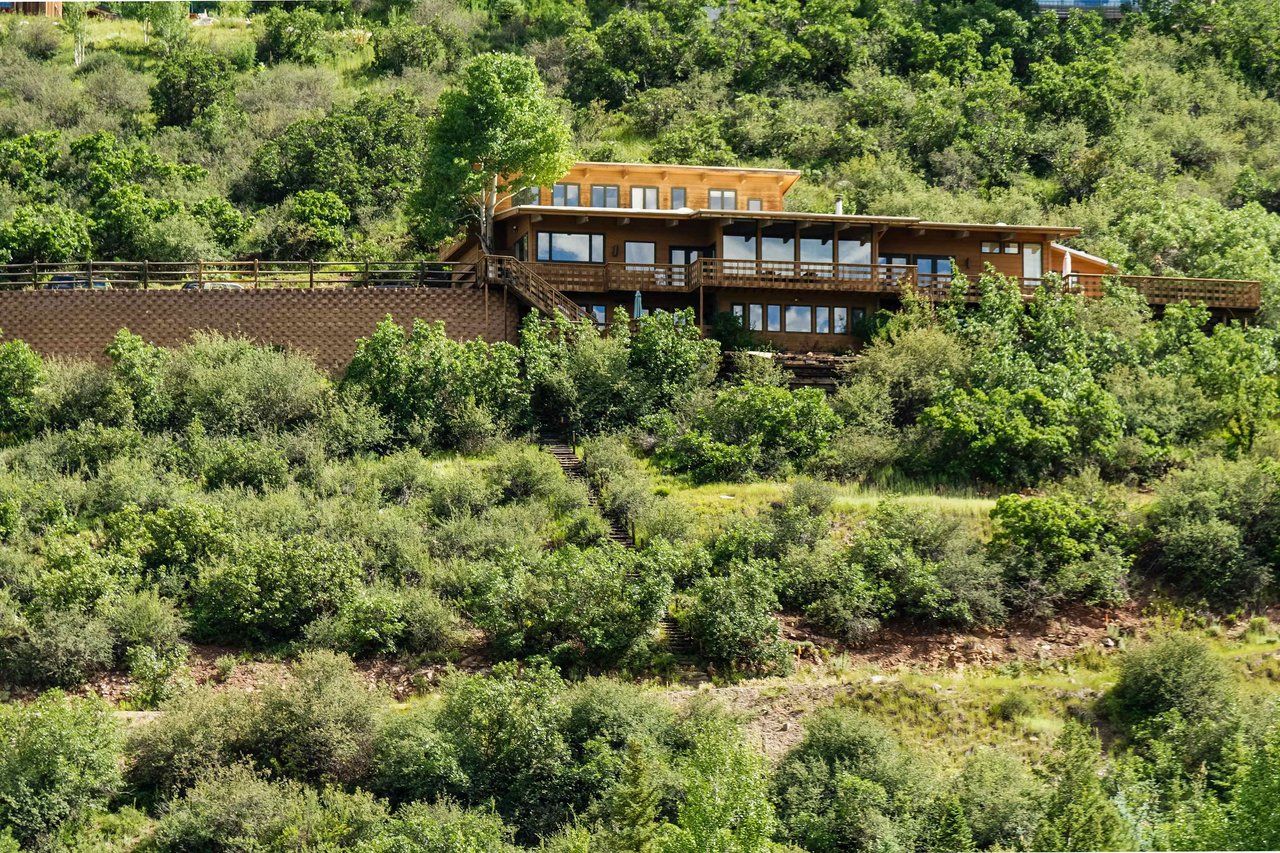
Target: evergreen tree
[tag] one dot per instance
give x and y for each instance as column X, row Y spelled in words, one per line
column 631, row 808
column 951, row 833
column 1078, row 814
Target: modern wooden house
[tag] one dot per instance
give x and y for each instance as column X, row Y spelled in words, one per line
column 610, row 236
column 45, row 8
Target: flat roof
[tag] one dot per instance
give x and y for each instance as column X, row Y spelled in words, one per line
column 782, row 215
column 682, row 167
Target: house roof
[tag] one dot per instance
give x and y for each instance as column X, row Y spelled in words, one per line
column 786, row 177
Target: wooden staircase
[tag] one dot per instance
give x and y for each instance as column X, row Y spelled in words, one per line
column 678, row 642
column 531, row 288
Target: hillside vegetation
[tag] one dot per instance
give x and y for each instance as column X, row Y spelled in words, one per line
column 247, row 606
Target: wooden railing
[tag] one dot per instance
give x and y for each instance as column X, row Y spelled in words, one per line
column 530, row 287
column 874, row 278
column 233, row 275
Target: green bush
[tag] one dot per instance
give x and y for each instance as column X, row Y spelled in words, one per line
column 385, row 620
column 246, row 463
column 1177, row 672
column 59, row 765
column 267, row 589
column 319, row 726
column 145, row 619
column 849, row 785
column 296, row 35
column 403, row 44
column 1000, row 798
column 199, row 731
column 730, row 619
column 190, row 83
column 58, row 648
column 21, row 371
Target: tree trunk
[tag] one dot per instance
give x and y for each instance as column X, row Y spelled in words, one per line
column 486, row 223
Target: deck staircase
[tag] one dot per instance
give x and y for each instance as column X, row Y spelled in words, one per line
column 529, row 287
column 678, row 642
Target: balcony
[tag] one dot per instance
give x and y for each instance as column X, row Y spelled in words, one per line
column 887, row 279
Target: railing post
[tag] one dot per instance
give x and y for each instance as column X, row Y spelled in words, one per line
column 146, row 274
column 366, row 273
column 311, row 274
column 422, row 273
column 200, row 274
column 35, row 275
column 90, row 268
column 255, row 273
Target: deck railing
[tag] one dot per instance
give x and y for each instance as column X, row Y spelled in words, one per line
column 870, row 278
column 233, row 275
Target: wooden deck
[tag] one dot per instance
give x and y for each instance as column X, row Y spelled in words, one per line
column 888, row 279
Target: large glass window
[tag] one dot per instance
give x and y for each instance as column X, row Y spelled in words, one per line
column 640, row 253
column 644, row 198
column 564, row 247
column 566, row 195
column 775, row 318
column 740, row 242
column 604, row 195
column 799, row 318
column 722, row 199
column 526, row 195
column 522, row 248
column 933, row 270
column 755, row 318
column 678, row 197
column 778, row 243
column 1031, row 261
column 854, row 248
column 817, row 246
column 599, row 314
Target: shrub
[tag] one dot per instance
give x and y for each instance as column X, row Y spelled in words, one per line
column 382, row 620
column 268, row 589
column 20, row 374
column 1078, row 814
column 832, row 589
column 1177, row 672
column 199, row 731
column 403, row 44
column 752, row 430
column 1000, row 798
column 59, row 648
column 60, row 763
column 1063, row 547
column 291, row 36
column 320, row 726
column 188, row 84
column 849, row 785
column 155, row 676
column 731, row 620
column 245, row 463
column 145, row 619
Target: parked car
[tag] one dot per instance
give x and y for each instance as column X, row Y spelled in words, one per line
column 212, row 285
column 64, row 281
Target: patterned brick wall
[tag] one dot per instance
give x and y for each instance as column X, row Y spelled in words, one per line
column 323, row 323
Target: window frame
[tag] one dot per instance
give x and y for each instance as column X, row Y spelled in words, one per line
column 593, row 237
column 645, row 190
column 723, row 194
column 773, row 317
column 755, row 203
column 840, row 320
column 786, row 319
column 684, row 197
column 604, row 196
column 563, row 187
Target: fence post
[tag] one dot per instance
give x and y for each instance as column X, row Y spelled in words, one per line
column 422, row 271
column 90, row 262
column 255, row 273
column 366, row 274
column 146, row 274
column 35, row 275
column 311, row 274
column 200, row 274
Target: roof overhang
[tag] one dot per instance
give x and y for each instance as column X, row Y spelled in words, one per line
column 786, row 178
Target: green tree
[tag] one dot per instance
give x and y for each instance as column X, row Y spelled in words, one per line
column 1078, row 814
column 496, row 134
column 189, row 83
column 75, row 18
column 21, row 371
column 44, row 233
column 296, row 35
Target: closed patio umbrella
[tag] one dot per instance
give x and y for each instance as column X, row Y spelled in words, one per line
column 636, row 309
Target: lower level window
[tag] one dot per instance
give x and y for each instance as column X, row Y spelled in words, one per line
column 799, row 318
column 840, row 320
column 755, row 318
column 775, row 318
column 822, row 320
column 564, row 247
column 598, row 313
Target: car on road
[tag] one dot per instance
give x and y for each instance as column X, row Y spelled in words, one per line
column 64, row 281
column 212, row 285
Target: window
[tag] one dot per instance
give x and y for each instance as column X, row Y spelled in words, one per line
column 840, row 320
column 599, row 314
column 571, row 248
column 739, row 310
column 778, row 243
column 522, row 248
column 817, row 246
column 740, row 242
column 722, row 199
column 933, row 270
column 566, row 195
column 644, row 198
column 799, row 318
column 1031, row 261
column 853, row 248
column 639, row 253
column 755, row 204
column 990, row 248
column 755, row 318
column 1010, row 248
column 822, row 320
column 604, row 196
column 775, row 318
column 526, row 195
column 678, row 196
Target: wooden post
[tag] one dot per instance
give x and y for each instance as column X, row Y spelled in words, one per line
column 90, row 268
column 422, row 273
column 35, row 275
column 366, row 273
column 255, row 273
column 311, row 275
column 146, row 274
column 200, row 274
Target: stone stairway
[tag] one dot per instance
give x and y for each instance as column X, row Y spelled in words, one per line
column 678, row 642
